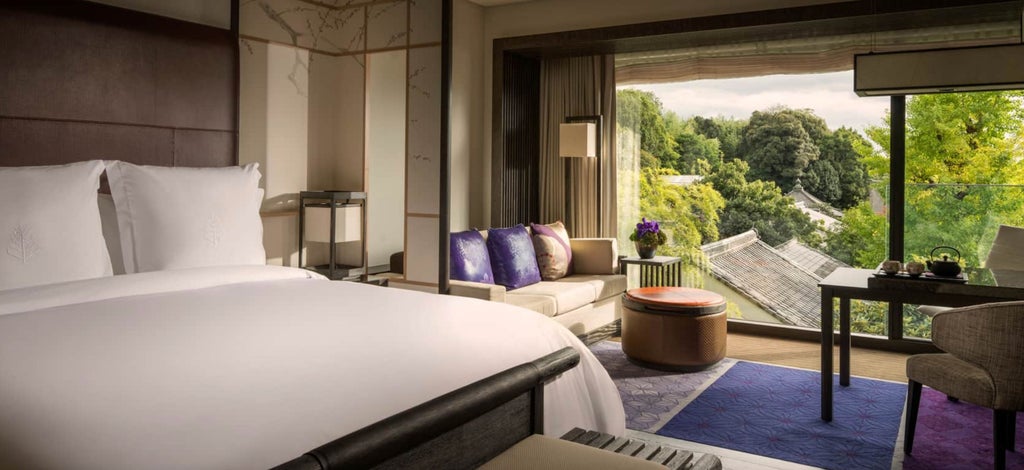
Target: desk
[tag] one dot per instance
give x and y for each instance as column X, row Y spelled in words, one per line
column 656, row 272
column 861, row 284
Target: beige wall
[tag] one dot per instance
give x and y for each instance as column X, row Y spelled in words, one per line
column 548, row 16
column 467, row 117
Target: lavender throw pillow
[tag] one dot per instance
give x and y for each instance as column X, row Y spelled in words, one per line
column 469, row 260
column 551, row 243
column 512, row 257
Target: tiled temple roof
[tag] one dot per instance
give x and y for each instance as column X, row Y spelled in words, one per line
column 810, row 259
column 768, row 277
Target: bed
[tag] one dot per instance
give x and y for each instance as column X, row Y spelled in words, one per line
column 224, row 365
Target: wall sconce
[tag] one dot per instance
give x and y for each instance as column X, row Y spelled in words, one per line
column 580, row 136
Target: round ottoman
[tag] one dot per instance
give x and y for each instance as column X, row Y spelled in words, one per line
column 673, row 328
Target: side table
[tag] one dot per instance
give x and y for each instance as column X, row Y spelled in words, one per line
column 659, row 271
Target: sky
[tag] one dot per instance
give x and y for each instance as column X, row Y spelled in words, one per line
column 830, row 95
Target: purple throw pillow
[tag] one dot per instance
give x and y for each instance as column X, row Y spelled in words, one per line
column 469, row 260
column 512, row 257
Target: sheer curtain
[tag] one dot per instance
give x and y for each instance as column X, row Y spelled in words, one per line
column 578, row 86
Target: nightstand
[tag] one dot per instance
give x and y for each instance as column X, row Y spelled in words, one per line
column 657, row 271
column 333, row 217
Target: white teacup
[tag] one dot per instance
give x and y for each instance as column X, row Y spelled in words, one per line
column 914, row 268
column 891, row 266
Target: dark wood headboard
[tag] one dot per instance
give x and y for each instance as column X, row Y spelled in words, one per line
column 82, row 81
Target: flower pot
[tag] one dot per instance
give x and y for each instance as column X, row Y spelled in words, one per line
column 645, row 250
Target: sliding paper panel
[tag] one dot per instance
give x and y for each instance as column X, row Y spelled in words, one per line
column 424, row 130
column 388, row 25
column 424, row 21
column 421, row 257
column 385, row 155
column 304, row 24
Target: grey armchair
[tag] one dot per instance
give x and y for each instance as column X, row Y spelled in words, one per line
column 983, row 364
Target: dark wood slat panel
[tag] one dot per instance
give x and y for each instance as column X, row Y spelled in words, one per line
column 601, row 440
column 633, row 448
column 680, row 460
column 616, row 445
column 573, row 434
column 515, row 191
column 649, row 450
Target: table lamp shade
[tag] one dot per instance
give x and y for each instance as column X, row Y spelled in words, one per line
column 347, row 226
column 577, row 139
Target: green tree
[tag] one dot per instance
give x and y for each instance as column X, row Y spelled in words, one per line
column 688, row 214
column 641, row 110
column 777, row 147
column 955, row 142
column 728, row 132
column 759, row 205
column 838, row 176
column 692, row 148
column 860, row 239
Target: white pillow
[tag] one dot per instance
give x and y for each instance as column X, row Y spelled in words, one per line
column 108, row 220
column 50, row 225
column 173, row 218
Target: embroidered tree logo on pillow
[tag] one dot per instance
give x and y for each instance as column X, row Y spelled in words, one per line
column 214, row 231
column 22, row 245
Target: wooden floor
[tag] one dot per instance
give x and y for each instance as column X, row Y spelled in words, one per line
column 806, row 355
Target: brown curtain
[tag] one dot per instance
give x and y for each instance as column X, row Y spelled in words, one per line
column 578, row 86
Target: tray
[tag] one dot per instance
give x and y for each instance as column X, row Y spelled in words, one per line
column 927, row 276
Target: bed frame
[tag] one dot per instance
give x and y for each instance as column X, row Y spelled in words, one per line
column 461, row 429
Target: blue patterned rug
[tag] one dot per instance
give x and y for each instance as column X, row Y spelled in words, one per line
column 762, row 409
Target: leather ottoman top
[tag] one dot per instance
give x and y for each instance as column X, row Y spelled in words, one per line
column 679, row 297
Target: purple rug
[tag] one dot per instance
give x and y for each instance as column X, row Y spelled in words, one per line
column 956, row 435
column 774, row 411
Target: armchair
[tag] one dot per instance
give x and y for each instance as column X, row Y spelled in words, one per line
column 983, row 364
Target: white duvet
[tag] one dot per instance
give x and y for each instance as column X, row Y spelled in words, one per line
column 248, row 367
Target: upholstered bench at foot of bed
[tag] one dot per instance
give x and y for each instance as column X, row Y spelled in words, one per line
column 579, row 449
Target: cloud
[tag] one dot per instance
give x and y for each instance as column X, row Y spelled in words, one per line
column 829, row 95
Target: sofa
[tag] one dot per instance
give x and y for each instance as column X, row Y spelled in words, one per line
column 587, row 301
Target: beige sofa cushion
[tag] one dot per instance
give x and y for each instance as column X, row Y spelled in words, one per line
column 605, row 285
column 568, row 296
column 538, row 303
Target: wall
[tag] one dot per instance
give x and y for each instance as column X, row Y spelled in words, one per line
column 467, row 122
column 548, row 16
column 317, row 115
column 304, row 106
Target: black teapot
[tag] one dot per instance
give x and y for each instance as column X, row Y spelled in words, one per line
column 944, row 267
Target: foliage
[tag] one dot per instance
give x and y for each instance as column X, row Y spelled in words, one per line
column 641, row 110
column 728, row 132
column 838, row 176
column 694, row 148
column 860, row 240
column 777, row 147
column 759, row 205
column 954, row 142
column 687, row 214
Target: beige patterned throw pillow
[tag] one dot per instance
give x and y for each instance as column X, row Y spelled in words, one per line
column 554, row 256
